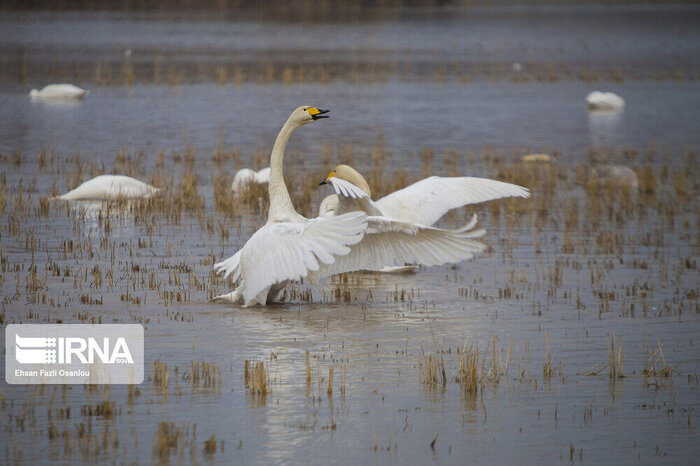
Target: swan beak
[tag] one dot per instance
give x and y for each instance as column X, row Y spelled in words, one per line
column 331, row 175
column 316, row 113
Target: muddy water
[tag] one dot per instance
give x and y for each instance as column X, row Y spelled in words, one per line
column 576, row 265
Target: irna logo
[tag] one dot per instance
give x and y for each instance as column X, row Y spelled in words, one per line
column 74, row 353
column 70, row 350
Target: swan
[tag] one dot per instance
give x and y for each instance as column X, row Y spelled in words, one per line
column 537, row 158
column 245, row 177
column 416, row 207
column 106, row 187
column 58, row 91
column 613, row 176
column 391, row 242
column 422, row 203
column 597, row 100
column 288, row 246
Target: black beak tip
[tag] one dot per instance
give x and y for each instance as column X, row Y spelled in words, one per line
column 323, row 182
column 320, row 114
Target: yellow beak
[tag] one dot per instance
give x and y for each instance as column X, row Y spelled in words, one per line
column 330, row 175
column 316, row 113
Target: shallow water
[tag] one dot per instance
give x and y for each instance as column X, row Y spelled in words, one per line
column 576, row 264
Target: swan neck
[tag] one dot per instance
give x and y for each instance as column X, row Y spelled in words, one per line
column 280, row 202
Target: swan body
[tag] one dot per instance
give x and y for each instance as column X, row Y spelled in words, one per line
column 422, row 203
column 597, row 100
column 613, row 176
column 106, row 187
column 58, row 91
column 537, row 158
column 246, row 177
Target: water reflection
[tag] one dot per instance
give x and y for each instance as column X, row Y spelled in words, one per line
column 605, row 127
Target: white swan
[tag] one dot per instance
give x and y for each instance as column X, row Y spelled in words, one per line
column 58, row 91
column 597, row 100
column 390, row 243
column 422, row 203
column 245, row 177
column 106, row 187
column 289, row 245
column 417, row 205
column 614, row 176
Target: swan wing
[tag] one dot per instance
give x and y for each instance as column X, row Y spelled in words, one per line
column 229, row 266
column 390, row 242
column 288, row 250
column 425, row 201
column 352, row 198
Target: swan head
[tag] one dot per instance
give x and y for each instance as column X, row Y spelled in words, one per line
column 306, row 114
column 33, row 93
column 347, row 173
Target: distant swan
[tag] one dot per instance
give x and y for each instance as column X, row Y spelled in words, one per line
column 245, row 177
column 106, row 187
column 423, row 202
column 614, row 176
column 597, row 100
column 58, row 91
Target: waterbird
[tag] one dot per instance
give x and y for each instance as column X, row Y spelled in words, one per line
column 58, row 92
column 597, row 100
column 245, row 177
column 109, row 187
column 418, row 207
column 423, row 203
column 290, row 247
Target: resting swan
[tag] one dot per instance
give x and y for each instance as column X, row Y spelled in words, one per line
column 245, row 177
column 597, row 100
column 109, row 187
column 423, row 202
column 58, row 91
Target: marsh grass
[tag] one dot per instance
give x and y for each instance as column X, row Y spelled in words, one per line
column 257, row 378
column 655, row 363
column 470, row 370
column 174, row 438
column 431, row 370
column 615, row 359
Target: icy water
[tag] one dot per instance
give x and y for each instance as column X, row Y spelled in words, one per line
column 183, row 102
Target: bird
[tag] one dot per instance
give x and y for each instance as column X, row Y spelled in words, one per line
column 245, row 177
column 613, row 176
column 58, row 92
column 416, row 207
column 422, row 203
column 597, row 100
column 109, row 187
column 288, row 246
column 392, row 242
